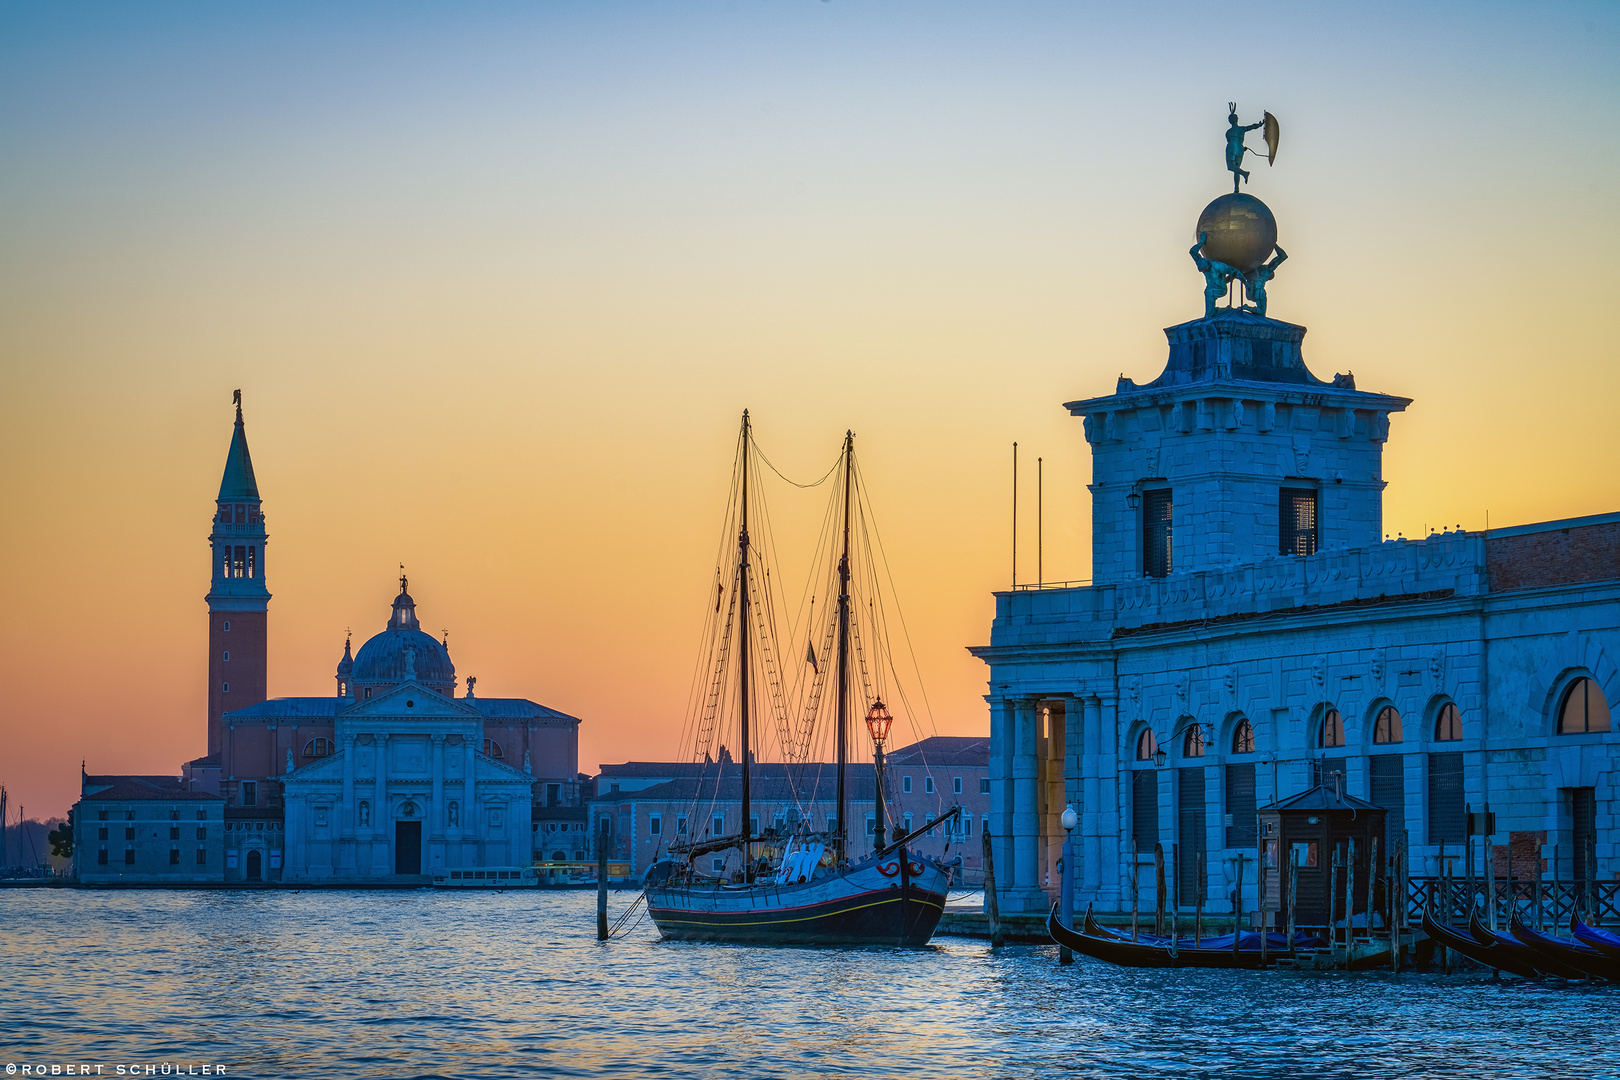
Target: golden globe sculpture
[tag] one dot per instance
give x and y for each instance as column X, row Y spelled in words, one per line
column 1238, row 230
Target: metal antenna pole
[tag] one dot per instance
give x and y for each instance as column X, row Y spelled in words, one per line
column 1040, row 528
column 1015, row 516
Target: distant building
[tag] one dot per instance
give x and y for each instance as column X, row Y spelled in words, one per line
column 391, row 776
column 146, row 830
column 648, row 805
column 1249, row 621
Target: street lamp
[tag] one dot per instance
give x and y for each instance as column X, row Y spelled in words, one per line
column 878, row 721
column 1159, row 757
column 1134, row 500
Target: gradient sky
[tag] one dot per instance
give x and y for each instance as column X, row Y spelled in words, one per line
column 497, row 280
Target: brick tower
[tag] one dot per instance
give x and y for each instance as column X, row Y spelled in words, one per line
column 237, row 598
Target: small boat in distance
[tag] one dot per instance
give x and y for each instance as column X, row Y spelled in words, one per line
column 806, row 887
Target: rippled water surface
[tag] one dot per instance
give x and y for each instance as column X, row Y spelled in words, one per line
column 378, row 984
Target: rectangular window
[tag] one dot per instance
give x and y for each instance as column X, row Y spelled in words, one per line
column 984, row 785
column 1145, row 809
column 553, row 794
column 905, row 823
column 129, row 834
column 680, row 825
column 871, row 824
column 103, row 833
column 1240, row 803
column 928, row 785
column 101, row 815
column 1296, row 521
column 129, row 856
column 1583, row 831
column 1192, row 833
column 239, row 562
column 250, row 793
column 253, row 560
column 174, row 832
column 202, row 856
column 967, row 824
column 129, row 815
column 655, row 825
column 1386, row 776
column 1157, row 508
column 905, row 784
column 956, row 785
column 174, row 815
column 225, row 562
column 717, row 827
column 832, row 823
column 174, row 856
column 718, row 865
column 101, row 855
column 202, row 832
column 1446, row 818
column 202, row 815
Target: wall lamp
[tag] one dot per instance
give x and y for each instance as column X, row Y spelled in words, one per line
column 1134, row 500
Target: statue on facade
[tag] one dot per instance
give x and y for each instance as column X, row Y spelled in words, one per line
column 1235, row 149
column 1218, row 276
column 455, row 813
column 1254, row 282
column 365, row 814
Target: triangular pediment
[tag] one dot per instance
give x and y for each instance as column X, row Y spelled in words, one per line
column 411, row 700
column 326, row 768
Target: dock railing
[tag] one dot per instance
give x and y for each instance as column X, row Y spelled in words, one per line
column 1542, row 904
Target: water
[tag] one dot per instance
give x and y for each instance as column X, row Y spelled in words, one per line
column 466, row 985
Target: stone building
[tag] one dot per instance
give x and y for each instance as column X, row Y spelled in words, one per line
column 391, row 776
column 647, row 805
column 1249, row 628
column 145, row 830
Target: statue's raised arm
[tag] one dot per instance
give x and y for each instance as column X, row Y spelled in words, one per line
column 1234, row 142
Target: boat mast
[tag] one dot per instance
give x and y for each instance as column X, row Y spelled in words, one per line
column 842, row 839
column 742, row 654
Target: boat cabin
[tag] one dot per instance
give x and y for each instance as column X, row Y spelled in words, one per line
column 1324, row 828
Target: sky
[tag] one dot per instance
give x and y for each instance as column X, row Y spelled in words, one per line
column 497, row 281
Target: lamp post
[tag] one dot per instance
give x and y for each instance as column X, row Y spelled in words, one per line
column 877, row 725
column 1066, row 889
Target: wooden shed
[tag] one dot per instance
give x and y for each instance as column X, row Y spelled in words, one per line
column 1323, row 827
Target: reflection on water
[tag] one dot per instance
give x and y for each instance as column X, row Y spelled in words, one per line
column 484, row 985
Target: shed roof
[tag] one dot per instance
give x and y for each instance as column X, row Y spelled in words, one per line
column 1322, row 797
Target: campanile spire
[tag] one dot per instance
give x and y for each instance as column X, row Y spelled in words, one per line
column 237, row 598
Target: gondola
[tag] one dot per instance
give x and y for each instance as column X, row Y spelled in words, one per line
column 1603, row 941
column 1572, row 952
column 1511, row 945
column 1157, row 952
column 1490, row 955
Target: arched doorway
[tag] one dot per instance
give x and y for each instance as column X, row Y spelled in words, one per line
column 253, row 866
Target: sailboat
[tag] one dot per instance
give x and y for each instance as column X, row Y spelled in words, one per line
column 805, row 887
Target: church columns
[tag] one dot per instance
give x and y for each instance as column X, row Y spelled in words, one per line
column 379, row 810
column 346, row 821
column 1026, row 824
column 1091, row 798
column 468, row 808
column 438, row 820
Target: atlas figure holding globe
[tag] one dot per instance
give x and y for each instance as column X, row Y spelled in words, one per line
column 1237, row 233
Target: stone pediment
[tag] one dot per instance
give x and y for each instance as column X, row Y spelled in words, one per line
column 326, row 768
column 411, row 701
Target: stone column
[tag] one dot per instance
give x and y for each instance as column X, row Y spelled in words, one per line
column 379, row 810
column 436, row 822
column 469, row 824
column 344, row 825
column 999, row 816
column 1091, row 800
column 1026, row 824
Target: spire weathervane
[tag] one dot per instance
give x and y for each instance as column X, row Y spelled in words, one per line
column 402, row 578
column 236, row 399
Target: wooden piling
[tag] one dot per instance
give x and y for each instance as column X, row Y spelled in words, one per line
column 1237, row 905
column 1175, row 906
column 1372, row 886
column 1557, row 884
column 602, row 881
column 1490, row 870
column 1136, row 886
column 992, row 913
column 1198, row 924
column 1349, row 900
column 1333, row 904
column 1293, row 891
column 1158, row 886
column 1394, row 927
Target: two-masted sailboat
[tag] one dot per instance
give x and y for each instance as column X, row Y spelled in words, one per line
column 793, row 884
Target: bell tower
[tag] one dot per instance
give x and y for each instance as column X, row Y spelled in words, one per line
column 237, row 598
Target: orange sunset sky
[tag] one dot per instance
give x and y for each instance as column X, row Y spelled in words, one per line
column 496, row 282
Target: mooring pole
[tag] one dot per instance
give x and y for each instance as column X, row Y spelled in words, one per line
column 1066, row 899
column 1198, row 919
column 601, row 882
column 1237, row 907
column 1158, row 887
column 1136, row 899
column 1293, row 888
column 992, row 913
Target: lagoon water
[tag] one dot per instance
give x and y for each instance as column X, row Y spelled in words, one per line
column 434, row 984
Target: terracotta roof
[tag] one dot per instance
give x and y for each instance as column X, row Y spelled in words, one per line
column 136, row 788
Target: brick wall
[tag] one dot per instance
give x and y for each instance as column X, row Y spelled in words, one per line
column 1554, row 557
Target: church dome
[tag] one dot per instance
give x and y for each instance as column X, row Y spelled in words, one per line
column 404, row 653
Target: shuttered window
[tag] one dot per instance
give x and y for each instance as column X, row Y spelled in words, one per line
column 1156, row 512
column 1191, row 832
column 1296, row 521
column 1583, row 816
column 1446, row 821
column 1388, row 789
column 1244, row 832
column 1145, row 808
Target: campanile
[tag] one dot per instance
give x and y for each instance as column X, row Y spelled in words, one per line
column 237, row 598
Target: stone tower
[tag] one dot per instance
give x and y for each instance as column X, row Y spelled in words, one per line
column 237, row 598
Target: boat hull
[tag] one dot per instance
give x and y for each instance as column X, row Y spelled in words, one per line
column 1102, row 944
column 861, row 905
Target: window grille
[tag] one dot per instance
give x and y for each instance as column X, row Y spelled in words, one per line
column 1296, row 521
column 1156, row 514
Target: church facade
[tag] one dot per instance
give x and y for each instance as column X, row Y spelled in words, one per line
column 390, row 778
column 1249, row 631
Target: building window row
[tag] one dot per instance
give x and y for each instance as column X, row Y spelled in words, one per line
column 238, row 514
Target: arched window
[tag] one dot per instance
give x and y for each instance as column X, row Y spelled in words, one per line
column 1192, row 744
column 1584, row 710
column 1146, row 746
column 1387, row 728
column 318, row 748
column 1332, row 730
column 1448, row 725
column 493, row 748
column 1243, row 738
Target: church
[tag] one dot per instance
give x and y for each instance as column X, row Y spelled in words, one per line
column 1250, row 631
column 391, row 778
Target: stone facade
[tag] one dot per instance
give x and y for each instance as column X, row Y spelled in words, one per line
column 147, row 830
column 1264, row 649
